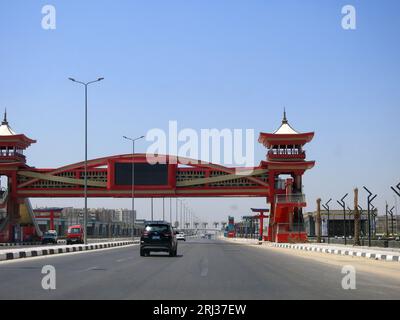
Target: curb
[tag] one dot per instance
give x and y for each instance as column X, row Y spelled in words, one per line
column 35, row 252
column 14, row 244
column 343, row 252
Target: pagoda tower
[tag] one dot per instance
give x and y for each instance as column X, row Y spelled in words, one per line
column 12, row 159
column 286, row 163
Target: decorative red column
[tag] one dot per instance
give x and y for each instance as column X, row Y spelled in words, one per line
column 261, row 217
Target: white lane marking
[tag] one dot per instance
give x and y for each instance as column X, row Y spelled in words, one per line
column 124, row 259
column 91, row 268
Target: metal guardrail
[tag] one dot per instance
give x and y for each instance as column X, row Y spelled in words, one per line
column 290, row 198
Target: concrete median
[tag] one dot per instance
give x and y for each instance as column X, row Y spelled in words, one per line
column 20, row 253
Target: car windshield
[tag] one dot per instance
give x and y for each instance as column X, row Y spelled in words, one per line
column 158, row 228
column 50, row 234
column 74, row 230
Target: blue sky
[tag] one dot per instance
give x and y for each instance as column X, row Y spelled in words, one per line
column 209, row 64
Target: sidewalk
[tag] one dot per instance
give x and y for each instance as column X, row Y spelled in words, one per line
column 384, row 254
column 365, row 252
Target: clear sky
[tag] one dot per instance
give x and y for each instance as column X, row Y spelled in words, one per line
column 209, row 64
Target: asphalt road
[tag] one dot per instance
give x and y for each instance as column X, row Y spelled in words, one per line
column 203, row 269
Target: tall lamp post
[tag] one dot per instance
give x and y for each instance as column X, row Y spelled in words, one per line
column 326, row 207
column 176, row 213
column 392, row 220
column 133, row 182
column 343, row 205
column 170, row 211
column 85, row 84
column 387, row 220
column 374, row 214
column 369, row 199
column 398, row 189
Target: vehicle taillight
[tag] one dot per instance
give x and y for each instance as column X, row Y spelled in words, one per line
column 145, row 233
column 167, row 234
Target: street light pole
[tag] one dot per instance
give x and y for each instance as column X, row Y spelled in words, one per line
column 170, row 210
column 85, row 166
column 163, row 209
column 176, row 212
column 326, row 207
column 133, row 182
column 180, row 224
column 343, row 205
column 398, row 189
column 387, row 220
column 391, row 216
column 370, row 199
column 152, row 214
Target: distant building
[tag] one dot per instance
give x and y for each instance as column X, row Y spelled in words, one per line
column 393, row 225
column 101, row 222
column 335, row 224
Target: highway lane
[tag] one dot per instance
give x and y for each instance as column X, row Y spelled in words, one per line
column 204, row 269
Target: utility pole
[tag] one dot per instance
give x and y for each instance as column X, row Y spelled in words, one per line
column 398, row 189
column 387, row 220
column 357, row 224
column 318, row 221
column 369, row 201
column 391, row 215
column 326, row 207
column 163, row 209
column 170, row 210
column 85, row 188
column 343, row 205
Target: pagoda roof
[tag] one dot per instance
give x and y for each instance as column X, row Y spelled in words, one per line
column 10, row 137
column 5, row 129
column 285, row 135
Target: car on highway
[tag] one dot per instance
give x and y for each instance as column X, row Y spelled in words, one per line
column 180, row 236
column 158, row 237
column 75, row 234
column 50, row 236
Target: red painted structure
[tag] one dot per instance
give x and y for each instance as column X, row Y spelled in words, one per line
column 48, row 213
column 261, row 216
column 194, row 179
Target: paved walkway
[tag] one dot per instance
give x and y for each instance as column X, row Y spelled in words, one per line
column 371, row 253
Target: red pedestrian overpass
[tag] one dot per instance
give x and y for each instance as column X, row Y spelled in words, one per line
column 175, row 177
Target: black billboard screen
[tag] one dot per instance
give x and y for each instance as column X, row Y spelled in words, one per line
column 145, row 174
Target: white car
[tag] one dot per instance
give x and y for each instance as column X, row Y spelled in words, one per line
column 180, row 236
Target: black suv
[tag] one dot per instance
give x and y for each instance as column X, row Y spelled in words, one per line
column 158, row 237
